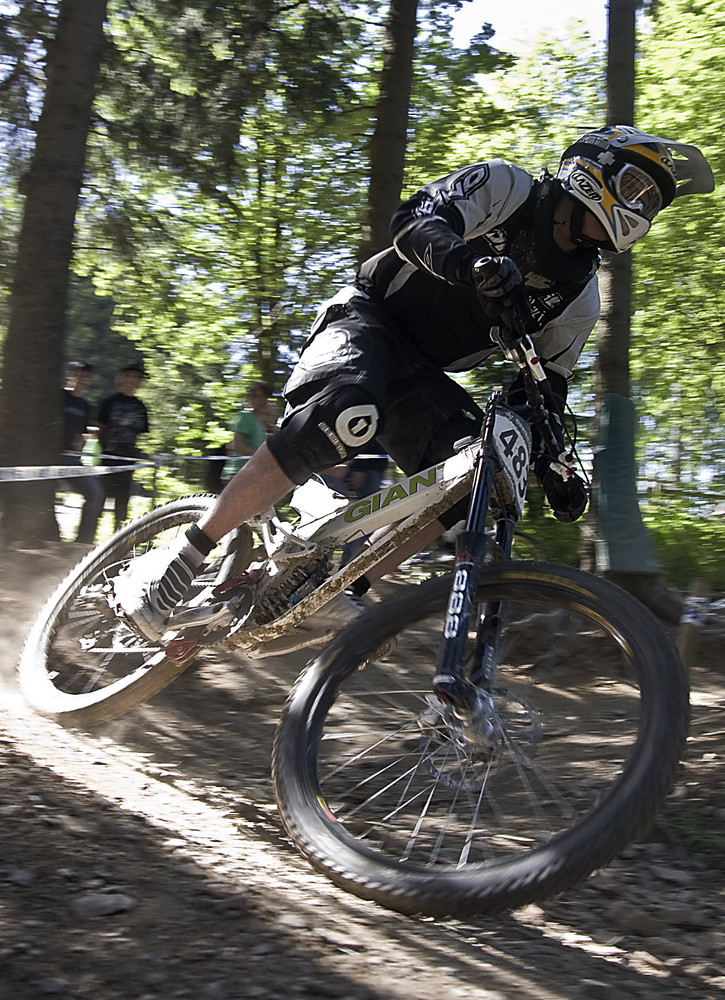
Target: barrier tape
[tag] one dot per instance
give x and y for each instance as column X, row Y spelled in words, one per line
column 26, row 473
column 23, row 473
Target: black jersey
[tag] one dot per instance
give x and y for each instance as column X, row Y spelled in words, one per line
column 122, row 418
column 487, row 209
column 76, row 414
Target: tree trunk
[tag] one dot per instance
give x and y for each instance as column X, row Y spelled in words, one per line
column 33, row 356
column 623, row 549
column 616, row 273
column 613, row 331
column 389, row 140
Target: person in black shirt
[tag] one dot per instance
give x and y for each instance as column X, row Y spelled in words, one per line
column 76, row 417
column 121, row 419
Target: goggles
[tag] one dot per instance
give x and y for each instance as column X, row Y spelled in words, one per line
column 636, row 190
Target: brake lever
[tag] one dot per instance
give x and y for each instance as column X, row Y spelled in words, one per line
column 518, row 347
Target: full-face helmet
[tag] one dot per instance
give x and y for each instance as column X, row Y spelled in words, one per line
column 625, row 177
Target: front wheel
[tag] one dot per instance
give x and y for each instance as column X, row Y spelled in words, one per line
column 83, row 665
column 398, row 800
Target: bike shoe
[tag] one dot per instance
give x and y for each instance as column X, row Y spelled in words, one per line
column 132, row 588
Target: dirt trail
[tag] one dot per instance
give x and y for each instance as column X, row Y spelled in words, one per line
column 144, row 860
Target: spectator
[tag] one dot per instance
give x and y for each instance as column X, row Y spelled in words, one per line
column 76, row 415
column 251, row 426
column 121, row 418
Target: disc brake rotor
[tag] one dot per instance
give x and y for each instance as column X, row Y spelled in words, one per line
column 464, row 753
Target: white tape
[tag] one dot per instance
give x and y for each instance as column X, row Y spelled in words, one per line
column 694, row 610
column 23, row 473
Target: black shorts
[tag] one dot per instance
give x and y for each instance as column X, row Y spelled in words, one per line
column 354, row 342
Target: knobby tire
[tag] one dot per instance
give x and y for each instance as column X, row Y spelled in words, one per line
column 385, row 794
column 80, row 664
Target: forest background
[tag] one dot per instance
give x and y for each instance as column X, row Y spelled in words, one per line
column 226, row 186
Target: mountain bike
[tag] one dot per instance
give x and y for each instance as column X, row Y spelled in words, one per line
column 477, row 742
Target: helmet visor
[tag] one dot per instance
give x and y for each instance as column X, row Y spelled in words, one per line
column 636, row 190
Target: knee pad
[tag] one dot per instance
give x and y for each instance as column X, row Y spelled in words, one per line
column 331, row 427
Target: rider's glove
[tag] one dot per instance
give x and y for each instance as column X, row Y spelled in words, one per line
column 567, row 497
column 498, row 284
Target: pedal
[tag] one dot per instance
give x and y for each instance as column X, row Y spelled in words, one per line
column 235, row 585
column 204, row 615
column 209, row 624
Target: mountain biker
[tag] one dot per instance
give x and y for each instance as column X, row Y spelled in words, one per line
column 466, row 249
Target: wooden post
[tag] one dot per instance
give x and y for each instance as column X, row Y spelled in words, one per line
column 693, row 615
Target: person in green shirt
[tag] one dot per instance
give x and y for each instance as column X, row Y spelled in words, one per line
column 250, row 427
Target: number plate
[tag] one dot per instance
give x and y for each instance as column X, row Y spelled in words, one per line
column 512, row 441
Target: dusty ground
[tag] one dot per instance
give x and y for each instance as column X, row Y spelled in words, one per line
column 144, row 860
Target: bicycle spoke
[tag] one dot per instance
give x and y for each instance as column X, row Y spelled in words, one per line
column 417, row 783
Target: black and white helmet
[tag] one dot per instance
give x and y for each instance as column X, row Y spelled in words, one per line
column 625, row 177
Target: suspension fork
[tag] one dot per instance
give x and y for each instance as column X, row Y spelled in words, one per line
column 450, row 683
column 491, row 620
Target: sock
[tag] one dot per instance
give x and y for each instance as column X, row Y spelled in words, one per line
column 359, row 587
column 180, row 573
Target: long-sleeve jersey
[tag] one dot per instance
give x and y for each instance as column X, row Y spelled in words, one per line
column 424, row 279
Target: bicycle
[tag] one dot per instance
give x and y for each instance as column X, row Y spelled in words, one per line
column 444, row 785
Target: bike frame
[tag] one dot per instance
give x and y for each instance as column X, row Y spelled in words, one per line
column 504, row 436
column 406, row 507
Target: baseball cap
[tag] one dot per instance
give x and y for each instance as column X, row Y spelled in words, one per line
column 135, row 366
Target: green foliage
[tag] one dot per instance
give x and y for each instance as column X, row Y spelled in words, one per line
column 90, row 337
column 688, row 543
column 25, row 31
column 226, row 247
column 180, row 77
column 545, row 538
column 448, row 100
column 678, row 356
column 530, row 111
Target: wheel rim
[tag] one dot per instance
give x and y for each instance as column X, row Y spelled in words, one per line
column 88, row 652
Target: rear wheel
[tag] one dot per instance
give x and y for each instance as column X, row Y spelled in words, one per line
column 384, row 789
column 83, row 665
